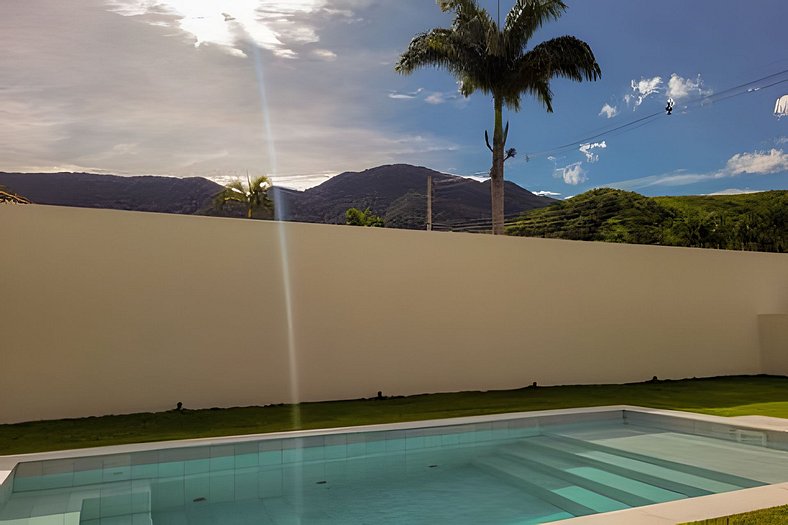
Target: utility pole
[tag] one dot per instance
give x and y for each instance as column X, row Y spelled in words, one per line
column 429, row 203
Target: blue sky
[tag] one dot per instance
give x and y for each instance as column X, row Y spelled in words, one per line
column 305, row 89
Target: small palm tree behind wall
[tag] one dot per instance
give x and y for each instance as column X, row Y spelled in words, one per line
column 492, row 59
column 8, row 196
column 253, row 195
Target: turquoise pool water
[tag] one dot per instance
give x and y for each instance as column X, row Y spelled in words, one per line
column 512, row 472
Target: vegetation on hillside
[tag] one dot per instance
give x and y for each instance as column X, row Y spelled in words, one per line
column 190, row 195
column 356, row 217
column 755, row 221
column 409, row 211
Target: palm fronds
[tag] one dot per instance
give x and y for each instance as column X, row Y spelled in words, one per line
column 254, row 195
column 12, row 198
column 496, row 61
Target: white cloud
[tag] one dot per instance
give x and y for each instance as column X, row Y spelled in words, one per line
column 68, row 168
column 301, row 182
column 734, row 191
column 545, row 193
column 264, row 114
column 296, row 32
column 325, row 54
column 294, row 182
column 644, row 88
column 609, row 111
column 585, row 149
column 270, row 24
column 756, row 163
column 435, row 98
column 759, row 162
column 439, row 97
column 781, row 140
column 398, row 95
column 781, row 107
column 679, row 87
column 573, row 174
column 481, row 176
column 676, row 178
column 131, row 7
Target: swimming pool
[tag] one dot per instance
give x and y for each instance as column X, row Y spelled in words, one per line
column 512, row 469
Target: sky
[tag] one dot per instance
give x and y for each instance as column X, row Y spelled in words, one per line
column 301, row 90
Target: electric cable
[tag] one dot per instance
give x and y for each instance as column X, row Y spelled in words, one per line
column 714, row 97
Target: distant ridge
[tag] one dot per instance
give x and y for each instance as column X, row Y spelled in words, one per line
column 396, row 192
column 755, row 221
column 88, row 190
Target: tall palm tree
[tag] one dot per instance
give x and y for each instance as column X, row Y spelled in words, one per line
column 494, row 60
column 254, row 195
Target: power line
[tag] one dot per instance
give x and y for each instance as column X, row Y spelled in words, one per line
column 751, row 90
column 543, row 220
column 714, row 97
column 558, row 149
column 740, row 86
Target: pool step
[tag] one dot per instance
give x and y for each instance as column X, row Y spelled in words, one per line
column 700, row 477
column 633, row 492
column 562, row 458
column 563, row 494
column 532, row 463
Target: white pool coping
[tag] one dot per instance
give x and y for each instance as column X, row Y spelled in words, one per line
column 692, row 509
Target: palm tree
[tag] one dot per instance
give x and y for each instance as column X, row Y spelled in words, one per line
column 254, row 195
column 492, row 59
column 9, row 196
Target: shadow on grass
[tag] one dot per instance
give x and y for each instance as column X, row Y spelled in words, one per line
column 726, row 396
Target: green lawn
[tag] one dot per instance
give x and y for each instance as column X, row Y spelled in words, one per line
column 725, row 396
column 773, row 516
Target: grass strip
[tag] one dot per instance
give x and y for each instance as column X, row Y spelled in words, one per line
column 723, row 396
column 772, row 516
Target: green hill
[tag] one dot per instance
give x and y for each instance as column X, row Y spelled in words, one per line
column 755, row 221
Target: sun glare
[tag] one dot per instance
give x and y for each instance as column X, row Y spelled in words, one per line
column 229, row 24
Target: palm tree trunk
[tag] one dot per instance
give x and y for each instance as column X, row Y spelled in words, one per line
column 496, row 173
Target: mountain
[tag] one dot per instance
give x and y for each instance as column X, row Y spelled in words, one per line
column 754, row 221
column 398, row 193
column 395, row 192
column 88, row 190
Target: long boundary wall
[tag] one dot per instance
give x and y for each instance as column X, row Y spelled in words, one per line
column 115, row 312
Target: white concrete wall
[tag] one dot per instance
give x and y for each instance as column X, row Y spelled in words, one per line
column 773, row 330
column 114, row 312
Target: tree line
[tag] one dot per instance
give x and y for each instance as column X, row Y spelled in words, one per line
column 755, row 222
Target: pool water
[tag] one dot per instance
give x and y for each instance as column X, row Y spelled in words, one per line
column 510, row 472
